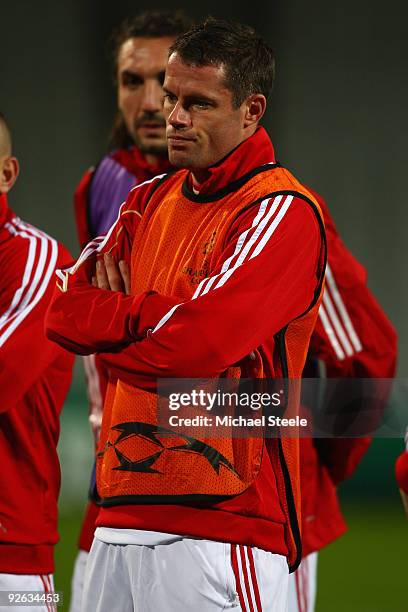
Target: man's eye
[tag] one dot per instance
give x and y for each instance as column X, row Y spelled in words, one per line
column 201, row 105
column 168, row 97
column 131, row 80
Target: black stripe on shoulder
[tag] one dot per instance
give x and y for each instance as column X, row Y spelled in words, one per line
column 158, row 184
column 230, row 188
column 293, row 518
column 322, row 270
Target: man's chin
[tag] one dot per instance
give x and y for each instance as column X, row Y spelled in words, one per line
column 179, row 159
column 152, row 146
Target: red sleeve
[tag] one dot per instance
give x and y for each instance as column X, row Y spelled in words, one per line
column 249, row 298
column 88, row 527
column 27, row 286
column 84, row 319
column 401, row 471
column 354, row 339
column 81, row 205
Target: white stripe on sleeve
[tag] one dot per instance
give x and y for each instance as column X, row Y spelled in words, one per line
column 330, row 333
column 254, row 240
column 19, row 294
column 240, row 242
column 355, row 340
column 39, row 283
column 287, row 202
column 332, row 314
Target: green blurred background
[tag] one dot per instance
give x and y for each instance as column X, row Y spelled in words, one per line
column 338, row 119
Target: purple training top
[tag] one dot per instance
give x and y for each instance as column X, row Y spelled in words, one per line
column 110, row 186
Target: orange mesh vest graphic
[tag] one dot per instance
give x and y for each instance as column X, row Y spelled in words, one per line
column 175, row 247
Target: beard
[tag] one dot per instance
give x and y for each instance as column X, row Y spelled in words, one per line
column 153, row 145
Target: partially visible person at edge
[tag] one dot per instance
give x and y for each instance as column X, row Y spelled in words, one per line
column 353, row 339
column 401, row 474
column 226, row 509
column 35, row 375
column 138, row 152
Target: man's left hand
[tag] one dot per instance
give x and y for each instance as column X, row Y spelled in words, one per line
column 110, row 276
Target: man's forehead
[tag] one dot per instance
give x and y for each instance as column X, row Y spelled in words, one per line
column 144, row 54
column 190, row 76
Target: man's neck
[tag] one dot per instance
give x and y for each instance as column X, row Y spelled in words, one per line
column 198, row 178
column 200, row 175
column 251, row 153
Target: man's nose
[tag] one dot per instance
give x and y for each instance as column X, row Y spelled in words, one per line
column 152, row 96
column 179, row 117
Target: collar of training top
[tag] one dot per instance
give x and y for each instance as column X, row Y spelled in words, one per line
column 6, row 214
column 135, row 162
column 4, row 209
column 252, row 153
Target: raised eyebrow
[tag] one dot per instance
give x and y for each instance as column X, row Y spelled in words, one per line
column 131, row 73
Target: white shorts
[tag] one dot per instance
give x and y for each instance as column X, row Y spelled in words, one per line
column 77, row 582
column 302, row 585
column 41, row 583
column 186, row 575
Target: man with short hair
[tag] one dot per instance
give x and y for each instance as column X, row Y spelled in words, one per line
column 35, row 376
column 353, row 339
column 227, row 260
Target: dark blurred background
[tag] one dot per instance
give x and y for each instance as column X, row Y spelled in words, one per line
column 338, row 119
column 338, row 115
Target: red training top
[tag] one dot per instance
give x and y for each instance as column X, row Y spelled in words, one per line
column 275, row 245
column 35, row 375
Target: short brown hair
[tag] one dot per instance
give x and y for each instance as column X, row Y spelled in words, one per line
column 248, row 60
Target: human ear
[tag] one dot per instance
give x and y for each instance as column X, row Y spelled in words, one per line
column 8, row 173
column 255, row 107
